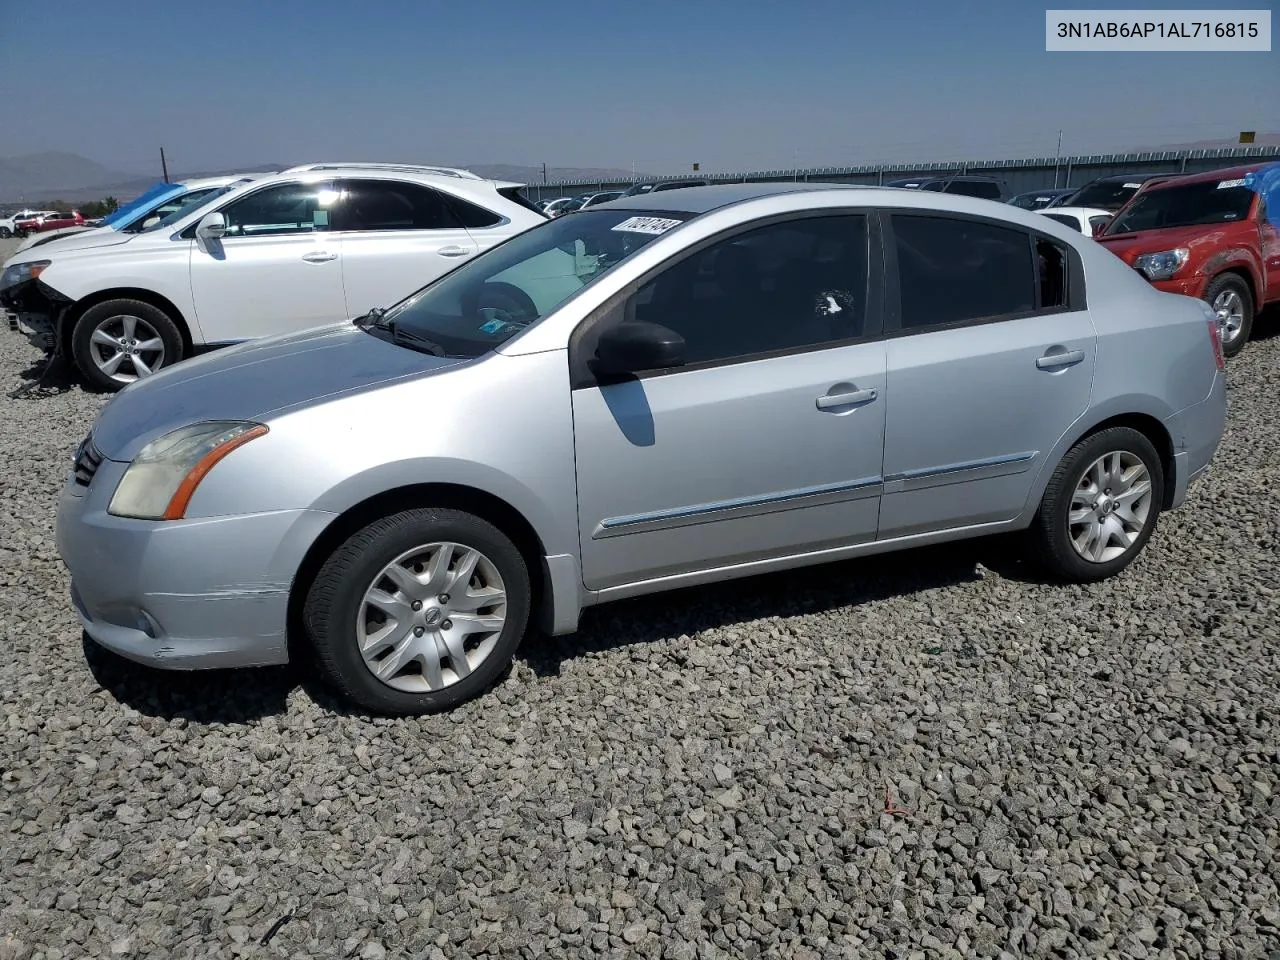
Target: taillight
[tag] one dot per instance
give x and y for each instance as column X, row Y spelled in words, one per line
column 1215, row 334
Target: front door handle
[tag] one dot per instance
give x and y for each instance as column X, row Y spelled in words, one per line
column 453, row 251
column 1051, row 361
column 850, row 398
column 319, row 256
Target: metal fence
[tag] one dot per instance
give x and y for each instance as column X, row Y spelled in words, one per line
column 1019, row 176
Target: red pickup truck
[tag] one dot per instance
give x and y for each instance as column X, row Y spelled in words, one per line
column 1208, row 235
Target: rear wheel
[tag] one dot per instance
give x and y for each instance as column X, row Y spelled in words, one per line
column 1100, row 506
column 419, row 611
column 119, row 341
column 1232, row 302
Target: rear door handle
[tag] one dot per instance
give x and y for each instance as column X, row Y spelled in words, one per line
column 319, row 256
column 1051, row 361
column 850, row 398
column 454, row 251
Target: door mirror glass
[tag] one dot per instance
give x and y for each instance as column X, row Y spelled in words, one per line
column 635, row 347
column 213, row 226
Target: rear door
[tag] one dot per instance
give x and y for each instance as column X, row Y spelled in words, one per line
column 990, row 359
column 397, row 236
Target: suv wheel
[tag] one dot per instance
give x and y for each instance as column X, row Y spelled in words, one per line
column 5, row 233
column 1231, row 300
column 419, row 611
column 119, row 341
column 1100, row 506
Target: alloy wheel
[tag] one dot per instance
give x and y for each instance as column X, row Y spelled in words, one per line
column 1110, row 507
column 1229, row 308
column 126, row 348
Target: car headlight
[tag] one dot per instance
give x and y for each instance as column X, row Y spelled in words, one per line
column 21, row 272
column 160, row 481
column 1162, row 265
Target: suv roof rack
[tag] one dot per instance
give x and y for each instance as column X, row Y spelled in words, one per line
column 402, row 167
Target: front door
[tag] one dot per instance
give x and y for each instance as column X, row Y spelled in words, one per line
column 768, row 441
column 277, row 270
column 991, row 362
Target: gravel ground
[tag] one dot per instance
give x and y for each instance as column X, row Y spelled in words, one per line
column 927, row 755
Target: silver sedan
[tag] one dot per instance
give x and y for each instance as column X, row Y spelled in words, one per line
column 642, row 396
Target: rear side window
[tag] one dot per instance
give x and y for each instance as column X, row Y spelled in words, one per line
column 953, row 271
column 472, row 215
column 375, row 205
column 1051, row 274
column 1065, row 219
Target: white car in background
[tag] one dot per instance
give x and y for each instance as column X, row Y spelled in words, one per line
column 1088, row 220
column 147, row 209
column 313, row 245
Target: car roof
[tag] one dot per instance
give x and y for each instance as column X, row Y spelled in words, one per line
column 697, row 200
column 1127, row 177
column 1227, row 173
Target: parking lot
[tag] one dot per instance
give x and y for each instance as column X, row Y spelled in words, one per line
column 927, row 754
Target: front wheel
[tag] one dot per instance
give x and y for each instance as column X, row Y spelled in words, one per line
column 1232, row 303
column 119, row 341
column 418, row 611
column 1100, row 506
column 5, row 233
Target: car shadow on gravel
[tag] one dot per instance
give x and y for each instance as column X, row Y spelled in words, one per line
column 46, row 378
column 203, row 696
column 790, row 593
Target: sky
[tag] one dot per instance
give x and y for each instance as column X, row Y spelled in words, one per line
column 739, row 85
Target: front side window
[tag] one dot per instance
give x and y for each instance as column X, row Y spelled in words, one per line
column 287, row 208
column 1188, row 205
column 490, row 298
column 785, row 286
column 953, row 271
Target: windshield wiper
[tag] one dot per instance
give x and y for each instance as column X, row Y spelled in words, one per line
column 373, row 319
column 416, row 341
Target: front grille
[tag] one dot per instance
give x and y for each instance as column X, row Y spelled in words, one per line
column 87, row 461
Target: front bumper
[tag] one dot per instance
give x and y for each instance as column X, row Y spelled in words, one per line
column 1187, row 287
column 187, row 594
column 32, row 309
column 1196, row 433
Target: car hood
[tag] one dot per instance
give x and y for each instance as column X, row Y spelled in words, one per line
column 1129, row 246
column 253, row 381
column 76, row 238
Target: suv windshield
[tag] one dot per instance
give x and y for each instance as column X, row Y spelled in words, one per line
column 489, row 299
column 1222, row 201
column 197, row 199
column 138, row 204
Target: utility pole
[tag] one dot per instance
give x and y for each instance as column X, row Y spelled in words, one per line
column 1057, row 161
column 164, row 166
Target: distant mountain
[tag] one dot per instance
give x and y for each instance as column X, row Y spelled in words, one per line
column 45, row 177
column 40, row 176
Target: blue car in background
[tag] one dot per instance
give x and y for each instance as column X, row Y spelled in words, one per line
column 159, row 201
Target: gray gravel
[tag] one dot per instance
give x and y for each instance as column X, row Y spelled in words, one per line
column 1080, row 772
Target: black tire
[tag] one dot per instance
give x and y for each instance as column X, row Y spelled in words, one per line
column 102, row 315
column 1050, row 530
column 5, row 233
column 334, row 602
column 1233, row 283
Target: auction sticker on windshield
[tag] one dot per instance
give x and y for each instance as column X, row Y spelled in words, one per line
column 647, row 225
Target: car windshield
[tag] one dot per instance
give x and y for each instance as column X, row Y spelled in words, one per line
column 139, row 204
column 189, row 204
column 489, row 299
column 1111, row 195
column 1187, row 205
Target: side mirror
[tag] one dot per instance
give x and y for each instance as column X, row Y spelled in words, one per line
column 635, row 347
column 1099, row 227
column 212, row 226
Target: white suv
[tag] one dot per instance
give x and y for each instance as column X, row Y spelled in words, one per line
column 313, row 245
